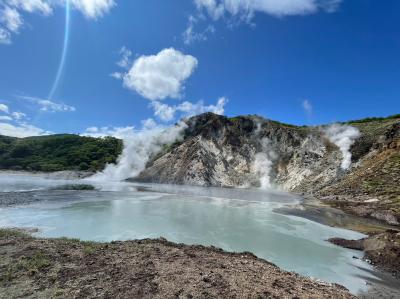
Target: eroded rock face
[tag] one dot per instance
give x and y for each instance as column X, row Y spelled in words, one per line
column 252, row 151
column 221, row 151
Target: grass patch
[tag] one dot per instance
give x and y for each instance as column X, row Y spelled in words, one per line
column 35, row 263
column 89, row 248
column 10, row 233
column 372, row 184
column 7, row 276
column 31, row 265
column 68, row 241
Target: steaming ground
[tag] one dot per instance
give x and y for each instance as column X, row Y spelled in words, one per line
column 343, row 137
column 263, row 164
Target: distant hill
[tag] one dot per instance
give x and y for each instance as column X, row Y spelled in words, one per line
column 58, row 152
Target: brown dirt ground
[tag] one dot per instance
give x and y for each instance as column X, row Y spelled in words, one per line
column 66, row 268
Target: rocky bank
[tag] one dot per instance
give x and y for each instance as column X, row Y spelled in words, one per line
column 381, row 249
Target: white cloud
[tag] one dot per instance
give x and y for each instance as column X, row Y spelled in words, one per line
column 237, row 11
column 22, row 130
column 187, row 109
column 5, row 118
column 118, row 132
column 5, row 36
column 4, row 108
column 93, row 9
column 12, row 12
column 11, row 15
column 41, row 6
column 191, row 109
column 117, row 75
column 163, row 111
column 190, row 35
column 18, row 115
column 246, row 9
column 157, row 77
column 12, row 115
column 307, row 106
column 213, row 7
column 17, row 127
column 49, row 106
column 125, row 61
column 11, row 19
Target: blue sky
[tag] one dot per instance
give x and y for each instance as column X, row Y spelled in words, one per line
column 301, row 62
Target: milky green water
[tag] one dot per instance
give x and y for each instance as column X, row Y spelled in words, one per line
column 235, row 220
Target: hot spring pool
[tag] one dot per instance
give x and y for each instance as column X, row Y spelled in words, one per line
column 232, row 219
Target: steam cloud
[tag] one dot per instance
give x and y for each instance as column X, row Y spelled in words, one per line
column 262, row 164
column 343, row 137
column 138, row 148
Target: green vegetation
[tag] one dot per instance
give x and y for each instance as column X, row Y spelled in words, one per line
column 58, row 152
column 9, row 233
column 35, row 263
column 31, row 263
column 89, row 248
column 68, row 241
column 373, row 119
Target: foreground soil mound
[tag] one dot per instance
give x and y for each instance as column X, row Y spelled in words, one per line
column 65, row 268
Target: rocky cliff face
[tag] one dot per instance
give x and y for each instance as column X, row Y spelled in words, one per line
column 246, row 151
column 253, row 151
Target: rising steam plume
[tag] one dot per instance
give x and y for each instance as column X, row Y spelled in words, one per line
column 139, row 147
column 343, row 137
column 263, row 162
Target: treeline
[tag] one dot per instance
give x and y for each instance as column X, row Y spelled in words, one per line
column 58, row 152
